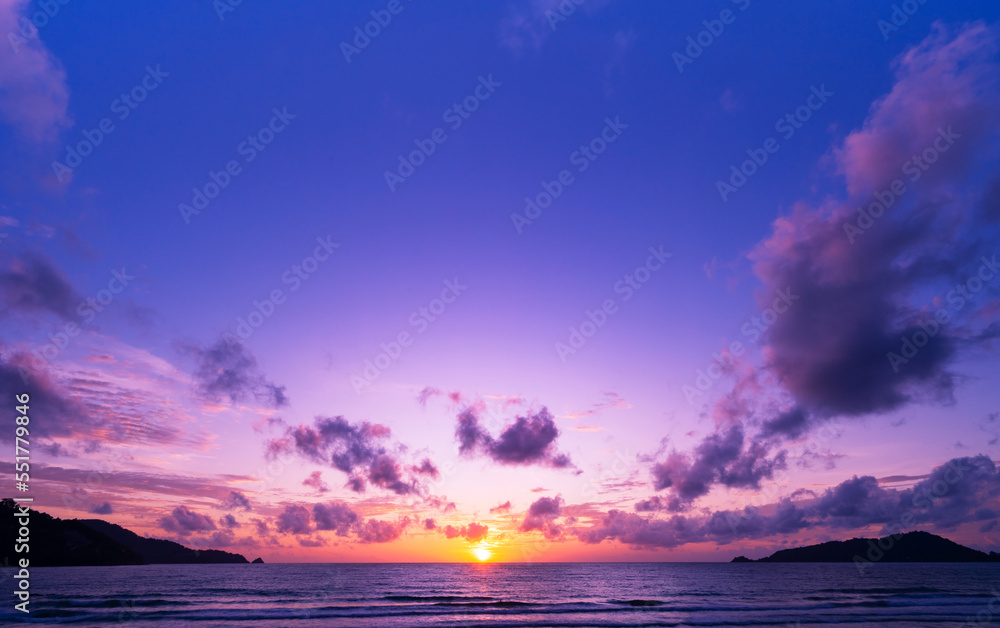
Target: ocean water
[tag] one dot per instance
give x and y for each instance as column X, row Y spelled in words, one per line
column 545, row 594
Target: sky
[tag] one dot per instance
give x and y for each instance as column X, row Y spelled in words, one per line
column 516, row 281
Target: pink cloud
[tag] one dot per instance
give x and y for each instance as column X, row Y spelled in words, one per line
column 940, row 82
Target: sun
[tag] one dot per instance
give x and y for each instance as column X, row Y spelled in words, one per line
column 482, row 554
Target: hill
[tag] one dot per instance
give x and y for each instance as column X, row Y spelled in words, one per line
column 160, row 551
column 911, row 547
column 58, row 542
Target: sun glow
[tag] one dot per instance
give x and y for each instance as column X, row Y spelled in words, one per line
column 482, row 553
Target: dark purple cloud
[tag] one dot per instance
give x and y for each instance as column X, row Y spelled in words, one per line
column 294, row 520
column 541, row 516
column 32, row 284
column 430, row 524
column 65, row 416
column 235, row 500
column 653, row 504
column 724, row 458
column 228, row 370
column 385, row 472
column 184, row 522
column 261, row 526
column 841, row 286
column 426, row 467
column 101, row 509
column 961, row 491
column 529, row 440
column 851, row 289
column 362, row 451
column 229, row 521
column 336, row 516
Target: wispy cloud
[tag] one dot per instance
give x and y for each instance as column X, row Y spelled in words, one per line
column 34, row 97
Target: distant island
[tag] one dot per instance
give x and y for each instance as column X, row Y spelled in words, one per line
column 911, row 547
column 94, row 543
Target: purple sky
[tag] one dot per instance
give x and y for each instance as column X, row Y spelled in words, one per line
column 495, row 280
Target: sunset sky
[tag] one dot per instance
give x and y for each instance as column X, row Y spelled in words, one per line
column 518, row 281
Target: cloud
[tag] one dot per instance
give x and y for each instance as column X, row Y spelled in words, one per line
column 473, row 532
column 91, row 407
column 227, row 369
column 48, row 398
column 501, row 508
column 32, row 284
column 611, row 401
column 377, row 531
column 529, row 440
column 184, row 522
column 850, row 291
column 541, row 516
column 385, row 472
column 440, row 503
column 962, row 491
column 294, row 520
column 722, row 458
column 429, row 392
column 336, row 516
column 315, row 481
column 101, row 509
column 653, row 504
column 426, row 467
column 236, row 499
column 430, row 524
column 261, row 527
column 33, row 94
column 426, row 394
column 229, row 521
column 359, row 450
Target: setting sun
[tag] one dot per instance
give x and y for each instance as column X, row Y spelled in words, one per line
column 482, row 554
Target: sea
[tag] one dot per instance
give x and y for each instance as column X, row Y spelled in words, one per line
column 520, row 594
